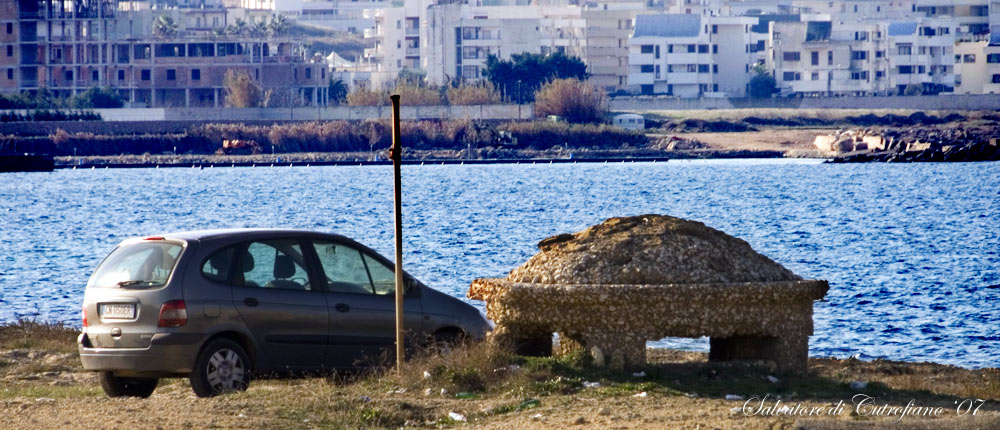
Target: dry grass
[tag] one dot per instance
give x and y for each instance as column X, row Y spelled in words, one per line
column 576, row 101
column 776, row 113
column 483, row 94
column 43, row 388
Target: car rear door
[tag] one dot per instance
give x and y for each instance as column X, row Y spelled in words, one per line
column 360, row 293
column 280, row 303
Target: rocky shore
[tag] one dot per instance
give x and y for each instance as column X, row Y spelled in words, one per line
column 932, row 144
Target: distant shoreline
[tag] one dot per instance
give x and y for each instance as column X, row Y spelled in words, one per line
column 416, row 158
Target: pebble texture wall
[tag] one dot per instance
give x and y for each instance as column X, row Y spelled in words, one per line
column 610, row 288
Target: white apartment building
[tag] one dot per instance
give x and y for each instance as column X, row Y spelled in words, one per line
column 609, row 26
column 690, row 55
column 970, row 17
column 970, row 67
column 460, row 38
column 992, row 51
column 815, row 57
column 922, row 53
column 821, row 57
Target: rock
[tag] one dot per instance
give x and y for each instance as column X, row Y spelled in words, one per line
column 648, row 249
column 580, row 421
column 605, row 411
column 611, row 287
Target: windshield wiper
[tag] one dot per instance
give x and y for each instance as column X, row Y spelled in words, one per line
column 126, row 284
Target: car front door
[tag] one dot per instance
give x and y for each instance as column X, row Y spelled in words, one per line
column 360, row 291
column 281, row 304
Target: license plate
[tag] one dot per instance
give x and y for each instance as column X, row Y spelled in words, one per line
column 118, row 311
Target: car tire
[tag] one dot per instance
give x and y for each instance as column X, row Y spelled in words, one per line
column 115, row 386
column 222, row 366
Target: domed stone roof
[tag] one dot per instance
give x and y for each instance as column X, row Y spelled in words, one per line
column 648, row 249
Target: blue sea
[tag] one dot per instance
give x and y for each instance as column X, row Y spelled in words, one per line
column 911, row 251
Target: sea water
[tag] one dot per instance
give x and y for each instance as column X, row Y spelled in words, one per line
column 912, row 251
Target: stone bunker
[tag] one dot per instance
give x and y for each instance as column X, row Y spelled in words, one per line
column 611, row 287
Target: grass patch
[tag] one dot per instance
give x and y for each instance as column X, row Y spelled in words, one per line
column 34, row 391
column 26, row 334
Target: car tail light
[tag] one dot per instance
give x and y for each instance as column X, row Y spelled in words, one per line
column 173, row 314
column 84, row 315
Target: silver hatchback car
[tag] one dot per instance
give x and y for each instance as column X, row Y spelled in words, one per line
column 221, row 306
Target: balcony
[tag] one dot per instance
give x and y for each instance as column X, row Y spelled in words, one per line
column 371, row 33
column 412, row 51
column 372, row 53
column 412, row 31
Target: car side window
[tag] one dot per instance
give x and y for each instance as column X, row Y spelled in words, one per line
column 274, row 264
column 218, row 265
column 383, row 278
column 343, row 268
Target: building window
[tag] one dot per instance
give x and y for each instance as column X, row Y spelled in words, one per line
column 691, row 49
column 141, row 52
column 969, row 58
column 256, row 74
column 815, row 76
column 10, row 50
column 10, row 73
column 790, row 76
column 171, row 74
column 715, row 68
column 195, row 74
column 860, row 35
column 657, row 51
column 10, row 28
column 715, row 88
column 322, row 73
column 996, row 79
column 904, row 50
column 790, row 56
column 692, row 68
column 859, row 76
column 702, row 49
column 905, row 70
column 646, row 68
column 95, row 76
column 859, row 55
column 144, row 74
column 121, row 75
column 703, row 68
column 921, row 69
column 814, row 58
column 646, row 49
column 69, row 75
column 715, row 49
column 993, row 58
column 715, row 29
column 879, row 54
column 295, row 74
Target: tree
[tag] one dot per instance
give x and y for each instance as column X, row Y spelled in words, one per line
column 164, row 26
column 239, row 27
column 411, row 77
column 762, row 85
column 278, row 26
column 97, row 98
column 337, row 90
column 259, row 29
column 241, row 90
column 574, row 100
column 519, row 78
column 913, row 90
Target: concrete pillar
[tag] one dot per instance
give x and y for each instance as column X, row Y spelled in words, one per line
column 187, row 97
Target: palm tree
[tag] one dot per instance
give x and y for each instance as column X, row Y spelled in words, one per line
column 337, row 91
column 164, row 26
column 239, row 27
column 278, row 26
column 259, row 29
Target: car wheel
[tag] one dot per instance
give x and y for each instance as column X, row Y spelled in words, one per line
column 221, row 367
column 115, row 386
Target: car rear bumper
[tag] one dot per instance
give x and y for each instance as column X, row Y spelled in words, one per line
column 167, row 354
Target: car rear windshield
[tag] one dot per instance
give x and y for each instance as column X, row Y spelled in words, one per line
column 139, row 265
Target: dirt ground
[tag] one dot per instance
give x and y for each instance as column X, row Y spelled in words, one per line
column 45, row 389
column 796, row 142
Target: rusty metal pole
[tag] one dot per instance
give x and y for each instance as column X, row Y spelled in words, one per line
column 396, row 154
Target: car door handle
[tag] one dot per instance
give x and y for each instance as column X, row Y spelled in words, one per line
column 250, row 301
column 342, row 307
